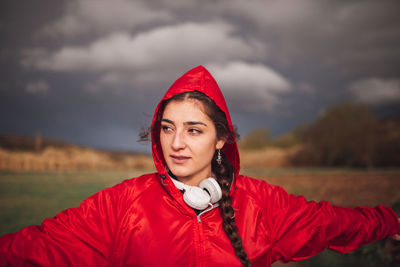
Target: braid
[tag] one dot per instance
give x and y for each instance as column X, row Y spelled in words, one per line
column 228, row 214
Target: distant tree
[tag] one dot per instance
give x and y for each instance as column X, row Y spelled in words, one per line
column 292, row 138
column 256, row 139
column 284, row 141
column 300, row 130
column 345, row 135
column 387, row 151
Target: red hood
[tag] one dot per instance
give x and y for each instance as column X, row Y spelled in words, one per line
column 197, row 79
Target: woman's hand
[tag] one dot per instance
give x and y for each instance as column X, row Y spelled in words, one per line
column 396, row 236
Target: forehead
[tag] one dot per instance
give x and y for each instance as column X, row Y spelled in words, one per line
column 186, row 110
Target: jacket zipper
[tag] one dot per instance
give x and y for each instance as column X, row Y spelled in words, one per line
column 201, row 239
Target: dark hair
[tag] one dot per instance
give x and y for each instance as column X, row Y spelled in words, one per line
column 223, row 171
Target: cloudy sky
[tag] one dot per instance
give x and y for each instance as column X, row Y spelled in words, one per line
column 92, row 71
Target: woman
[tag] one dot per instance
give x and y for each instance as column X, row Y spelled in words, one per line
column 165, row 219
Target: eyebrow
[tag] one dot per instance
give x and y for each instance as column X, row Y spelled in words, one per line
column 187, row 122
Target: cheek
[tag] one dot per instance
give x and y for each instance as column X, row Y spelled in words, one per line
column 163, row 141
column 205, row 147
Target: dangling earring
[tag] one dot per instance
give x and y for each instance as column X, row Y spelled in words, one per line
column 219, row 158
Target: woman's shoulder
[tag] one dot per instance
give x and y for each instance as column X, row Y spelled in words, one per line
column 132, row 186
column 139, row 183
column 257, row 189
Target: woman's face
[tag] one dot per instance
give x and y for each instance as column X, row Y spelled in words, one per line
column 188, row 140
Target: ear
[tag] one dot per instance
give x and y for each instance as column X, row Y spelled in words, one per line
column 220, row 144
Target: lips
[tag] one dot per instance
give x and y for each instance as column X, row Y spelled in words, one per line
column 179, row 159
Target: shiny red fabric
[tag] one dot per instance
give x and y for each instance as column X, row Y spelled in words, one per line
column 145, row 222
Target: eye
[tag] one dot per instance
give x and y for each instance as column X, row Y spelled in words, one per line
column 195, row 131
column 166, row 128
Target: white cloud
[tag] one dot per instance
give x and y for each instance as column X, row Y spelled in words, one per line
column 251, row 87
column 376, row 91
column 163, row 47
column 104, row 16
column 37, row 87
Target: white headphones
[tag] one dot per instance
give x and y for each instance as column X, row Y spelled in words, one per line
column 199, row 197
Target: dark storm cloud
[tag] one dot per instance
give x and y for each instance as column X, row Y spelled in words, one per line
column 92, row 71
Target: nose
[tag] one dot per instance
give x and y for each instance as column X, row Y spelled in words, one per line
column 178, row 141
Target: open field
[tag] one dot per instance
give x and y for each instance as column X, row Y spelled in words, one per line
column 343, row 187
column 28, row 197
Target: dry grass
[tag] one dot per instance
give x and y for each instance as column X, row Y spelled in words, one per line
column 71, row 158
column 269, row 157
column 339, row 186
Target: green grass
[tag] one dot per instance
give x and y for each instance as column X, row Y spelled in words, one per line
column 28, row 198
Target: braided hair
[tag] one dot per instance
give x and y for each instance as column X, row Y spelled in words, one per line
column 224, row 178
column 223, row 171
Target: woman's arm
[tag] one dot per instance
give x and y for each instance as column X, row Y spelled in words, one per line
column 301, row 229
column 76, row 236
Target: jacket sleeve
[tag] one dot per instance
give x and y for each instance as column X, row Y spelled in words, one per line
column 77, row 236
column 301, row 229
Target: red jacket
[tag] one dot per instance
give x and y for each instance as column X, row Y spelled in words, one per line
column 145, row 222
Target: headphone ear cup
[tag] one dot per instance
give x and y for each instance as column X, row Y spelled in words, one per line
column 213, row 188
column 196, row 197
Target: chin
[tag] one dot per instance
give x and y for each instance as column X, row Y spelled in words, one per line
column 178, row 172
column 181, row 174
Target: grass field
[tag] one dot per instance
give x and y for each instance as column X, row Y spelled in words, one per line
column 27, row 198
